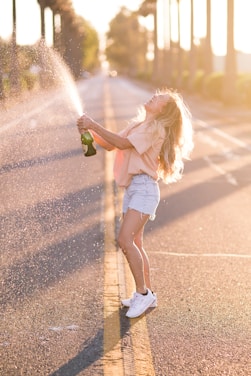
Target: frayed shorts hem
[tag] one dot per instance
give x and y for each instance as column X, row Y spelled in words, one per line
column 142, row 195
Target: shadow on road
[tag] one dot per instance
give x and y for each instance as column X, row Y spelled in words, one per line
column 39, row 161
column 38, row 266
column 93, row 347
column 199, row 195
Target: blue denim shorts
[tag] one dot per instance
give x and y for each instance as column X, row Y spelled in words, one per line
column 143, row 195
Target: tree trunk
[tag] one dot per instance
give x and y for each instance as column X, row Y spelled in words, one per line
column 229, row 92
column 156, row 49
column 2, row 94
column 208, row 62
column 14, row 74
column 168, row 45
column 192, row 54
column 180, row 54
column 42, row 7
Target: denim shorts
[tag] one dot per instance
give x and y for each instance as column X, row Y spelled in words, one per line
column 143, row 195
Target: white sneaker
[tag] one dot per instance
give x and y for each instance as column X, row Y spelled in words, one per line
column 127, row 302
column 139, row 304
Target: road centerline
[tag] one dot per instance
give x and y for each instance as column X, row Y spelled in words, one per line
column 112, row 358
column 117, row 282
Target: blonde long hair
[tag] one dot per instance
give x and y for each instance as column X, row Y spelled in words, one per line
column 174, row 124
column 175, row 120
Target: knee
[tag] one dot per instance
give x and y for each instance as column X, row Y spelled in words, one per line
column 123, row 242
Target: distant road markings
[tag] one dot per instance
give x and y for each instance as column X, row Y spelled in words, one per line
column 229, row 177
column 135, row 358
column 228, row 137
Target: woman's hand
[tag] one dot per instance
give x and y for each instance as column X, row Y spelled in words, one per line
column 107, row 139
column 84, row 123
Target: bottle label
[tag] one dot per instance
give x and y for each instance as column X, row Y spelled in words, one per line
column 85, row 148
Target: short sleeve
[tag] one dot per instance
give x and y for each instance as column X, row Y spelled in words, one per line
column 141, row 141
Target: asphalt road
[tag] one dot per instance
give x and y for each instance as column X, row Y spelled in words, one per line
column 53, row 279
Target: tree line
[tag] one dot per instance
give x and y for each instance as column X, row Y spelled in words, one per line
column 175, row 67
column 73, row 38
column 133, row 50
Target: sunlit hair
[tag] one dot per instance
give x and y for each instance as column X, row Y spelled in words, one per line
column 174, row 124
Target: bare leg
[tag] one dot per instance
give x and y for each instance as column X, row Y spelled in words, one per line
column 132, row 225
column 139, row 243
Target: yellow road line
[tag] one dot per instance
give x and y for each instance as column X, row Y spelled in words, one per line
column 118, row 281
column 143, row 363
column 112, row 358
column 140, row 339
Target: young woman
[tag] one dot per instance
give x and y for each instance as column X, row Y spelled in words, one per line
column 152, row 147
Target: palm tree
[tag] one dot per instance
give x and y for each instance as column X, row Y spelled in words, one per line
column 146, row 8
column 43, row 5
column 2, row 95
column 167, row 52
column 52, row 4
column 57, row 35
column 179, row 57
column 71, row 33
column 155, row 41
column 14, row 74
column 228, row 93
column 192, row 54
column 170, row 52
column 208, row 62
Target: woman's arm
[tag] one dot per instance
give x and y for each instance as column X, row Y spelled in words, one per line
column 105, row 138
column 100, row 141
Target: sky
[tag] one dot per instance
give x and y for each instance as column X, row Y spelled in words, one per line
column 97, row 12
column 100, row 12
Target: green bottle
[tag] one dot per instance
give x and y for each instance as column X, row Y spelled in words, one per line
column 88, row 148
